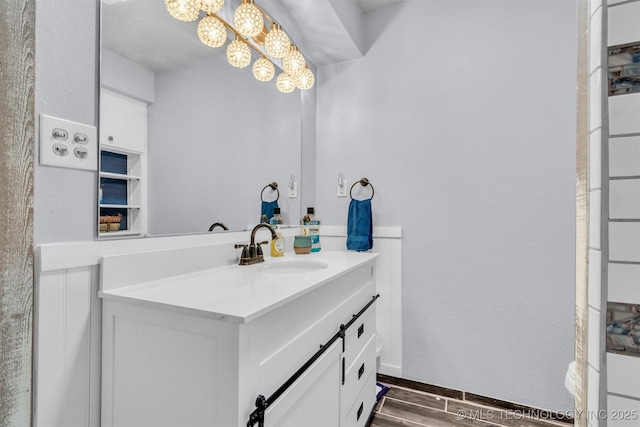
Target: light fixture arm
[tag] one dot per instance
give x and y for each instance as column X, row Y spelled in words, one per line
column 236, row 33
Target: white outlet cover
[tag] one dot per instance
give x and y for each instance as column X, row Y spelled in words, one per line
column 68, row 144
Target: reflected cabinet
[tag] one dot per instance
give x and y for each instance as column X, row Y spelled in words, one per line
column 122, row 183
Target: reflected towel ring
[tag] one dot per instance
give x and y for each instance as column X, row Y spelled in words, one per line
column 274, row 187
column 364, row 182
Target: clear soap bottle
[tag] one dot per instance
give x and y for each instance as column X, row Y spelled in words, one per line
column 276, row 220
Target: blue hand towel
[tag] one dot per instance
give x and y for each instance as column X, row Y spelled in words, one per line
column 267, row 209
column 359, row 226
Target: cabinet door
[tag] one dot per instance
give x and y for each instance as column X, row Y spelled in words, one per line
column 123, row 122
column 313, row 400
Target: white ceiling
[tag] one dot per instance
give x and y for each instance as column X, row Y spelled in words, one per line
column 371, row 5
column 143, row 31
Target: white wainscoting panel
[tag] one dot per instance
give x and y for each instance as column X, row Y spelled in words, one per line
column 67, row 348
column 387, row 241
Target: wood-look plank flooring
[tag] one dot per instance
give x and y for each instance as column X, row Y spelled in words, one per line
column 411, row 404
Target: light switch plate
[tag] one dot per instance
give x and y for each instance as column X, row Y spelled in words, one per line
column 68, row 144
column 341, row 187
column 293, row 190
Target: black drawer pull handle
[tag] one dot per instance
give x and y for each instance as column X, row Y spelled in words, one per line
column 361, row 330
column 360, row 409
column 360, row 371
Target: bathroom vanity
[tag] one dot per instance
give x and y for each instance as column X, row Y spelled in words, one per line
column 198, row 348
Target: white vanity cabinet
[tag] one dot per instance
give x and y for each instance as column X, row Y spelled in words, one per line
column 177, row 353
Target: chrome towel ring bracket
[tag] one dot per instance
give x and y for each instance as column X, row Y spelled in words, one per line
column 364, row 182
column 274, row 187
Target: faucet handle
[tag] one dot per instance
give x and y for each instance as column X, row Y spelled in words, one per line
column 245, row 250
column 259, row 249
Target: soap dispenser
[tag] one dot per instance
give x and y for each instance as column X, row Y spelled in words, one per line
column 277, row 245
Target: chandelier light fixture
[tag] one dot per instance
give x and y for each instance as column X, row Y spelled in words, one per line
column 211, row 6
column 238, row 53
column 305, row 79
column 250, row 31
column 212, row 31
column 263, row 69
column 248, row 19
column 293, row 62
column 285, row 83
column 184, row 10
column 277, row 42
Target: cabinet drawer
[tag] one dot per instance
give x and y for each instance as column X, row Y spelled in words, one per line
column 358, row 334
column 364, row 403
column 356, row 375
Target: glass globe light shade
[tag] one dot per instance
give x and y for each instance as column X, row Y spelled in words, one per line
column 248, row 19
column 184, row 10
column 238, row 53
column 285, row 83
column 277, row 42
column 293, row 62
column 263, row 69
column 211, row 6
column 305, row 79
column 211, row 31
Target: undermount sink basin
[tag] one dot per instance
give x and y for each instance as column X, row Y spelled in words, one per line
column 294, row 267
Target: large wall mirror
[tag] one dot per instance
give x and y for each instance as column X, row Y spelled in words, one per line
column 216, row 136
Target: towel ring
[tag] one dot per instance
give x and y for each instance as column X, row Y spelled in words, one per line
column 274, row 187
column 364, row 182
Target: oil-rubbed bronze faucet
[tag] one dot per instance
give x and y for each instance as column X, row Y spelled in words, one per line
column 252, row 253
column 218, row 224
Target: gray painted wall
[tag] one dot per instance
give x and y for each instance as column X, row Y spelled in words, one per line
column 66, row 87
column 475, row 162
column 126, row 77
column 463, row 118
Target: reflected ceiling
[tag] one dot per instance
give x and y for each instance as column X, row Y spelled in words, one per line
column 169, row 43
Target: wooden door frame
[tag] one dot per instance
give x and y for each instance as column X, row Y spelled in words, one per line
column 17, row 121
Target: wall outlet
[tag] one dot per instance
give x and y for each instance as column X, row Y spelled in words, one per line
column 68, row 144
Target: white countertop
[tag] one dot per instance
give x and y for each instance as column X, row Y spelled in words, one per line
column 239, row 293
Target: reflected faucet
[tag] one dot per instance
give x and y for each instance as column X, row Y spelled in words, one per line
column 252, row 253
column 218, row 224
